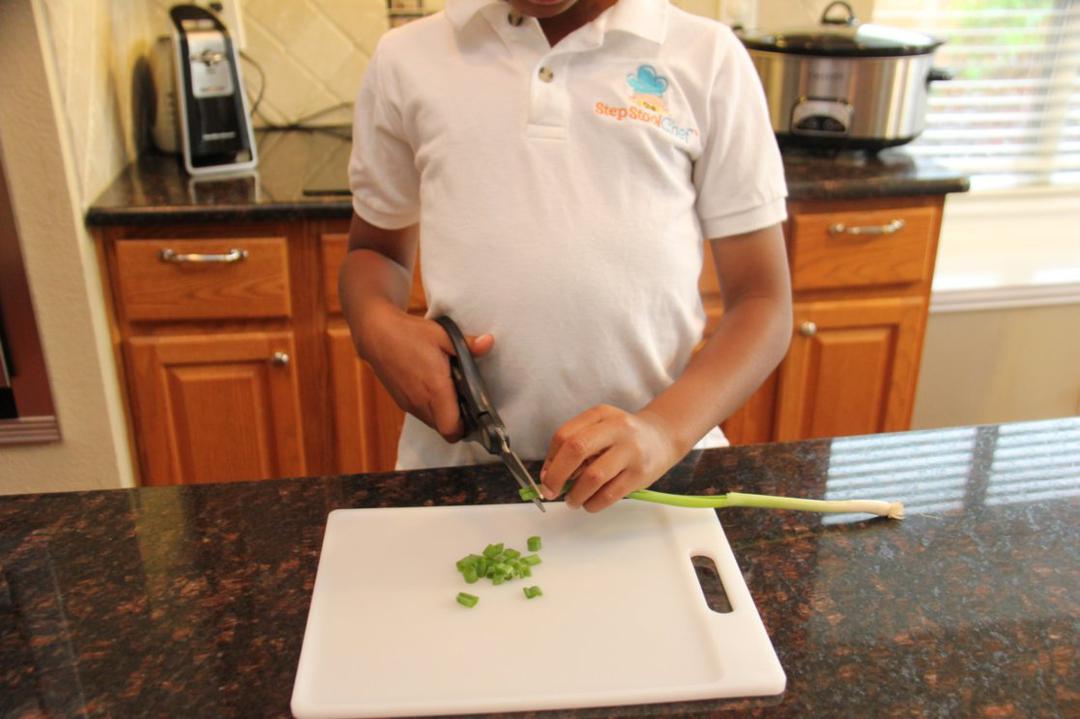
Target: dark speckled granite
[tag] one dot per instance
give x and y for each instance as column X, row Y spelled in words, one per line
column 855, row 175
column 155, row 189
column 191, row 601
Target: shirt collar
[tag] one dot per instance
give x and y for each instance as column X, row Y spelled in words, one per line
column 460, row 12
column 645, row 18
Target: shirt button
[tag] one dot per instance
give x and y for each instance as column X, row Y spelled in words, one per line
column 546, row 74
column 514, row 19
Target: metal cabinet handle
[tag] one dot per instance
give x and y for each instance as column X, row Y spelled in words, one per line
column 808, row 329
column 839, row 228
column 280, row 359
column 233, row 255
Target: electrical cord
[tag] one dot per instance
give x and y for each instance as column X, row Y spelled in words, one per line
column 300, row 123
column 262, row 83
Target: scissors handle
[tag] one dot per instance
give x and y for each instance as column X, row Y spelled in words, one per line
column 481, row 422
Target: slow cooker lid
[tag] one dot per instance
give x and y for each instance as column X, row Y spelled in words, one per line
column 841, row 34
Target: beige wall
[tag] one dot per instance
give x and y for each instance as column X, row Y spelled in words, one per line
column 65, row 131
column 788, row 13
column 314, row 52
column 93, row 47
column 999, row 366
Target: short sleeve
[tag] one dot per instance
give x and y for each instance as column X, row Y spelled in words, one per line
column 739, row 176
column 383, row 178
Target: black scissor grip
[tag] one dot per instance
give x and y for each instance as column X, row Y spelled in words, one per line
column 478, row 415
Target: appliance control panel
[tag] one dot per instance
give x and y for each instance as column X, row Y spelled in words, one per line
column 821, row 117
column 211, row 68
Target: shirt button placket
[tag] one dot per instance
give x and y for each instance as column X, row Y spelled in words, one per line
column 549, row 90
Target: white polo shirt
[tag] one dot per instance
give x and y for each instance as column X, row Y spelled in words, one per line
column 563, row 195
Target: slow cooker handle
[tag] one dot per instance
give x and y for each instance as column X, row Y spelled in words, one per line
column 849, row 20
column 937, row 74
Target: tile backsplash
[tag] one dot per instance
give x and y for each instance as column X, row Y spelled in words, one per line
column 314, row 52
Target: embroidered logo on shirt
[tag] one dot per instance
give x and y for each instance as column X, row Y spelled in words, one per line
column 646, row 103
column 649, row 87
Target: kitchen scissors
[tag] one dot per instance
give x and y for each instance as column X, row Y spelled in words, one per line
column 482, row 423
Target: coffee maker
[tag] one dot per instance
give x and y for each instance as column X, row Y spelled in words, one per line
column 207, row 96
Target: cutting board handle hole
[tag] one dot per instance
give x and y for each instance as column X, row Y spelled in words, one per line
column 711, row 586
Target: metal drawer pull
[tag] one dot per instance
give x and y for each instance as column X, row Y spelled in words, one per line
column 840, row 228
column 808, row 329
column 280, row 359
column 233, row 255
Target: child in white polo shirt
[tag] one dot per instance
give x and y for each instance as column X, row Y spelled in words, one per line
column 559, row 163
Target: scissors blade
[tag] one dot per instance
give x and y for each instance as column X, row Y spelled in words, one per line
column 520, row 474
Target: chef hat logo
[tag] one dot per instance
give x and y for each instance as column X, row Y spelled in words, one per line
column 646, row 81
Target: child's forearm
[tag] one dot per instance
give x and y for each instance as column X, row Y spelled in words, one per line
column 749, row 342
column 370, row 284
column 376, row 276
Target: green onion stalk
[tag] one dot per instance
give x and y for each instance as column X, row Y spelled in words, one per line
column 892, row 510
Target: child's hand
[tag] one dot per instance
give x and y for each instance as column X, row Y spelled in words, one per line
column 410, row 355
column 612, row 453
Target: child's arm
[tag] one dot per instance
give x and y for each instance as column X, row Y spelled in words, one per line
column 409, row 354
column 616, row 452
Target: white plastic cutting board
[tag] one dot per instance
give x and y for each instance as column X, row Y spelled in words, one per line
column 623, row 619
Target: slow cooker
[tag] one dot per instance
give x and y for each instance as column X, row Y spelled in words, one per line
column 844, row 83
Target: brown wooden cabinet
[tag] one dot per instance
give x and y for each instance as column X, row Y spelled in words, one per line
column 861, row 274
column 204, row 315
column 367, row 421
column 216, row 407
column 851, row 368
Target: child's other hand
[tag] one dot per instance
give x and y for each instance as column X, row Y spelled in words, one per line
column 410, row 355
column 612, row 453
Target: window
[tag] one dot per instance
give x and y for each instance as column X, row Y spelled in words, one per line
column 1011, row 115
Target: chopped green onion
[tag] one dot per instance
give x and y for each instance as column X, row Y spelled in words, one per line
column 499, row 564
column 528, row 494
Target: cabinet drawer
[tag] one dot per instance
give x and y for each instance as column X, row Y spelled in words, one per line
column 853, row 249
column 334, row 248
column 203, row 279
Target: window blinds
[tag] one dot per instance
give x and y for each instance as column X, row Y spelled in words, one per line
column 1012, row 113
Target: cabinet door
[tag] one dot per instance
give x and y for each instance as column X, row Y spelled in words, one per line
column 851, row 368
column 367, row 421
column 216, row 408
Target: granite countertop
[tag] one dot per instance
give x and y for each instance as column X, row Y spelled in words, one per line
column 192, row 600
column 156, row 190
